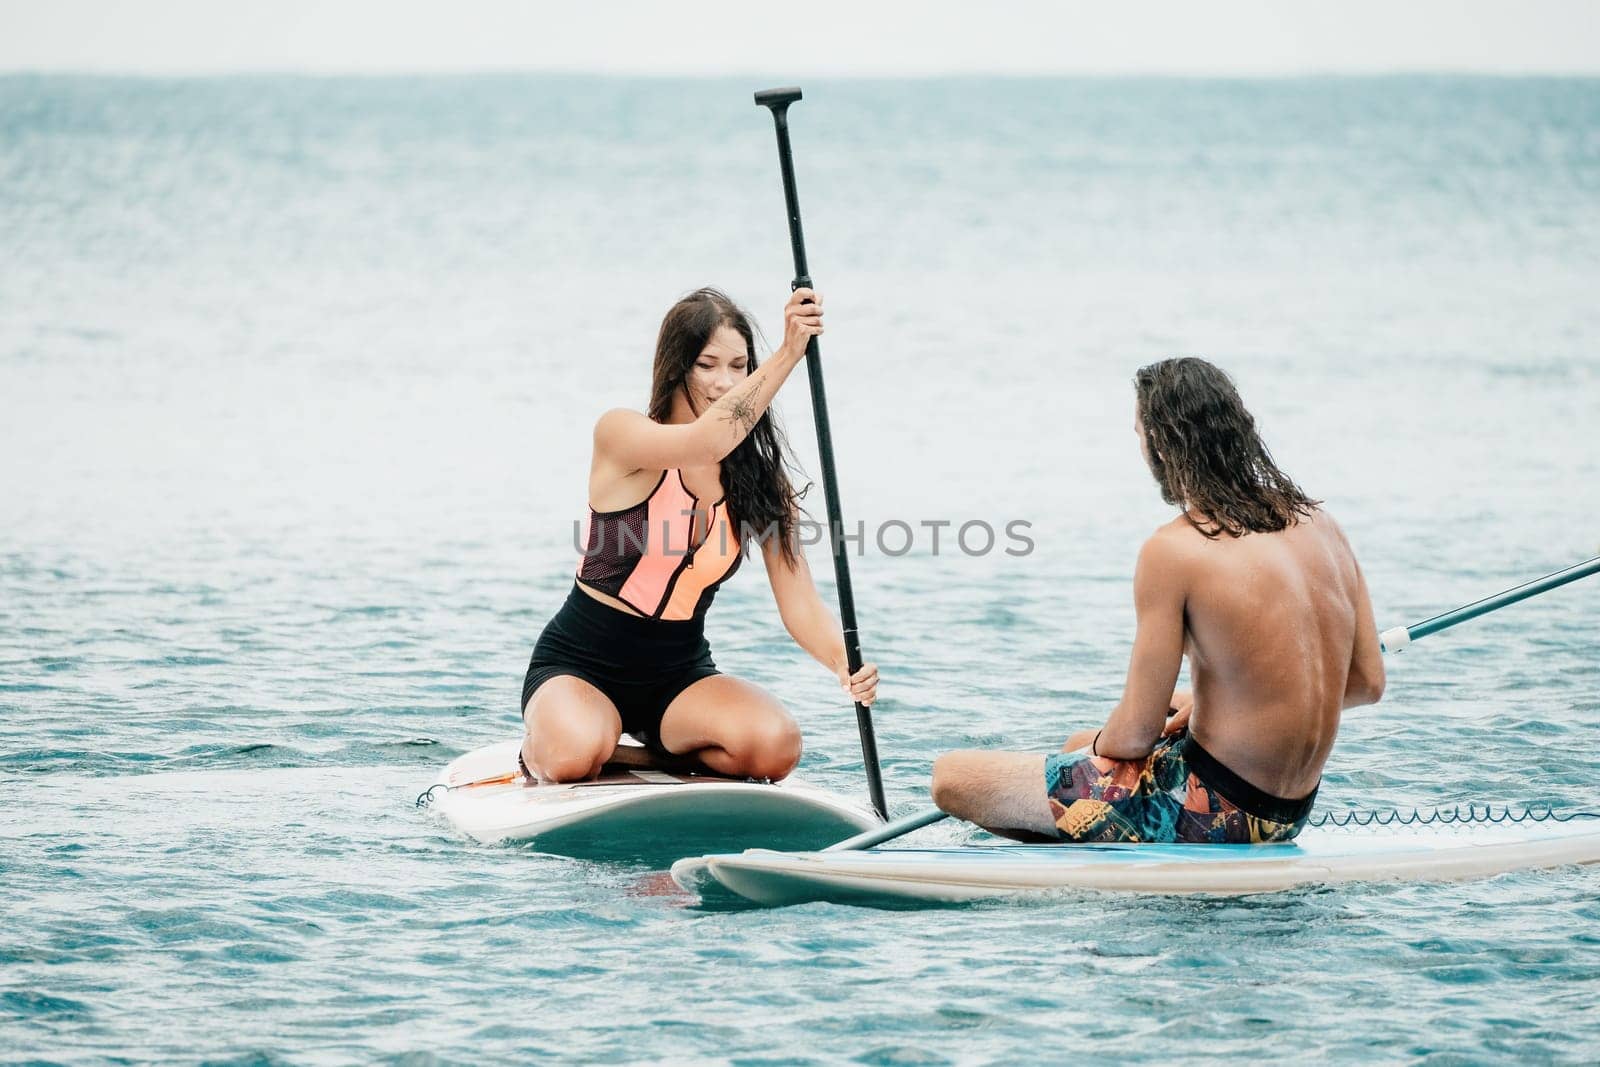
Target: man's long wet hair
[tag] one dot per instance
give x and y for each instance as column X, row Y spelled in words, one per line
column 1206, row 455
column 755, row 475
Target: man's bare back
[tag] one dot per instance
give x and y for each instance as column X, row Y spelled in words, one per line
column 1257, row 586
column 1276, row 627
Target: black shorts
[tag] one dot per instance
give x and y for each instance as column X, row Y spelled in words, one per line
column 640, row 664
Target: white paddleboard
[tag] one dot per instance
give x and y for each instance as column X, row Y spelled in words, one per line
column 637, row 812
column 1320, row 856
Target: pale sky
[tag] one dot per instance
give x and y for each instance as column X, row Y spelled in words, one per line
column 826, row 37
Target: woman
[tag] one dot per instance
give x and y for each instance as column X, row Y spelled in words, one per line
column 673, row 497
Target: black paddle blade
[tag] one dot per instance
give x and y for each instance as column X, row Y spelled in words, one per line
column 778, row 98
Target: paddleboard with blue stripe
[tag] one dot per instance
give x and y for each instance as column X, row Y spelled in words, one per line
column 1320, row 856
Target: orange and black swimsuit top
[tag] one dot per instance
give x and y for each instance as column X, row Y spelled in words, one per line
column 646, row 557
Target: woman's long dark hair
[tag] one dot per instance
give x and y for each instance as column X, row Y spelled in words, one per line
column 1206, row 455
column 755, row 475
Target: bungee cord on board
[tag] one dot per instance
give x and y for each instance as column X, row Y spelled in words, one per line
column 1452, row 816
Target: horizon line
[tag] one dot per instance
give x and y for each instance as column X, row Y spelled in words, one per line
column 1174, row 74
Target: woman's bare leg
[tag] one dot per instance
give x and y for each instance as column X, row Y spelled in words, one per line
column 734, row 727
column 570, row 730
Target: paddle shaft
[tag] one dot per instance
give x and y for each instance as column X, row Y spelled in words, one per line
column 1397, row 639
column 1390, row 643
column 778, row 100
column 890, row 831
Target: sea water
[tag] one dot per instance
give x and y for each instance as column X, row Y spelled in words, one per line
column 297, row 378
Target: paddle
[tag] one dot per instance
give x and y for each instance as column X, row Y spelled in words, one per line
column 779, row 100
column 1392, row 640
column 1396, row 639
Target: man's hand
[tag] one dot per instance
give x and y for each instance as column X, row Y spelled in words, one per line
column 1081, row 739
column 1182, row 707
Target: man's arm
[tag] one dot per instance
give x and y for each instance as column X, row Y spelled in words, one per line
column 1159, row 593
column 1366, row 680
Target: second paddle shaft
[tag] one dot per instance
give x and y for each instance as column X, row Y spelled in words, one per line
column 1396, row 639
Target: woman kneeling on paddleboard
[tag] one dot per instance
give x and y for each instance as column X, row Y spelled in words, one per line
column 674, row 497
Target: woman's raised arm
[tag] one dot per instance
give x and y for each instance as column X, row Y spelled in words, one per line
column 633, row 441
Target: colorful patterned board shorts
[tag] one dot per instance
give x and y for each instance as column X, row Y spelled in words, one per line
column 1178, row 793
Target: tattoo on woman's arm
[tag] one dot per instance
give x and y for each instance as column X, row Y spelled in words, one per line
column 741, row 412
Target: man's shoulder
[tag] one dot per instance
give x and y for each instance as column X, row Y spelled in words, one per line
column 1321, row 517
column 1327, row 527
column 1177, row 536
column 1181, row 543
column 1172, row 545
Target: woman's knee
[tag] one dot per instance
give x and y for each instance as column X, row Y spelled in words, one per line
column 568, row 742
column 771, row 749
column 569, row 761
column 560, row 768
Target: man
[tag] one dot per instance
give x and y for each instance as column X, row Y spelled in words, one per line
column 1258, row 587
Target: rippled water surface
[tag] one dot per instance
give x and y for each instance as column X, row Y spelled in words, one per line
column 296, row 382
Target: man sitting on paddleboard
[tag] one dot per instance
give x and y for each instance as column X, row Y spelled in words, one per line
column 1257, row 585
column 675, row 497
